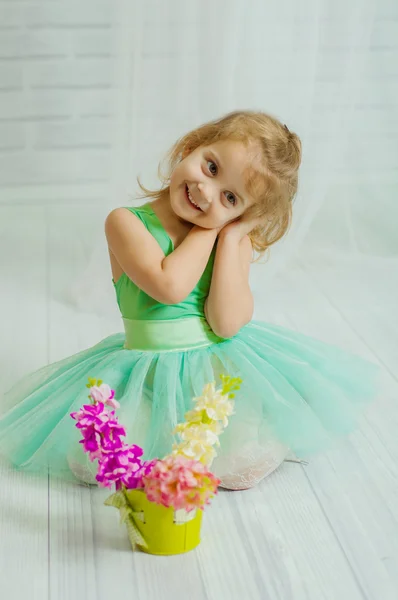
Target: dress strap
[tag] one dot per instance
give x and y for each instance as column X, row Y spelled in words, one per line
column 148, row 217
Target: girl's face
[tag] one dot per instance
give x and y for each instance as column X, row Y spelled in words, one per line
column 207, row 188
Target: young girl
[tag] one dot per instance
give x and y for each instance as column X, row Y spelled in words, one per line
column 180, row 269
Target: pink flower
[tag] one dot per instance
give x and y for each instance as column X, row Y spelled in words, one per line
column 104, row 394
column 181, row 483
column 112, row 403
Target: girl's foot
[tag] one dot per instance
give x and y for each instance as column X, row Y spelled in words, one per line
column 250, row 477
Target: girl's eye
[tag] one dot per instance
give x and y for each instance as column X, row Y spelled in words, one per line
column 212, row 167
column 230, row 197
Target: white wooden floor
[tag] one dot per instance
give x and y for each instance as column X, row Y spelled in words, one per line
column 328, row 531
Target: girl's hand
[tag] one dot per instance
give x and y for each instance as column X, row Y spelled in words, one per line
column 239, row 228
column 215, row 231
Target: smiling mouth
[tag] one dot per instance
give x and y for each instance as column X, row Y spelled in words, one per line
column 191, row 200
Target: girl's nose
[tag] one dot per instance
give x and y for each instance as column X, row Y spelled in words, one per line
column 205, row 193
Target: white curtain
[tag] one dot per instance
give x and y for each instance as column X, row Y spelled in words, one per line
column 326, row 68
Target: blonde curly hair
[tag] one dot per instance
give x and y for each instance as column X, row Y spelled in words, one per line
column 272, row 180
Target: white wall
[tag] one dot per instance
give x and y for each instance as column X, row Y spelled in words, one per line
column 56, row 98
column 58, row 95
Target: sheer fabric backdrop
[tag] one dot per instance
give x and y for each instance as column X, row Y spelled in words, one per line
column 327, row 69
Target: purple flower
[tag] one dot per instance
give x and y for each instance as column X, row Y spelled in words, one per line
column 97, row 444
column 118, row 463
column 111, row 430
column 92, row 443
column 114, row 466
column 92, row 415
column 100, row 429
column 122, row 466
column 134, row 480
column 134, row 452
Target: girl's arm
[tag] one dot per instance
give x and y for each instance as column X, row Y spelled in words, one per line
column 229, row 305
column 170, row 279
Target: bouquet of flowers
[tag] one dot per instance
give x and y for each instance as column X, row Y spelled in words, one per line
column 154, row 495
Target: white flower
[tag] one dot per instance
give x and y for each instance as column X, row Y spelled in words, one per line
column 195, row 450
column 200, row 432
column 203, row 424
column 217, row 406
column 193, row 416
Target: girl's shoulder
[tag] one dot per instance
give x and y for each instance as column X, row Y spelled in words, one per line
column 143, row 213
column 140, row 211
column 128, row 220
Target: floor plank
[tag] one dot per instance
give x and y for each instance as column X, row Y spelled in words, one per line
column 72, row 572
column 292, row 551
column 356, row 483
column 23, row 500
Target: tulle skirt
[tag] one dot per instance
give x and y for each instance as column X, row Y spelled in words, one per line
column 297, row 395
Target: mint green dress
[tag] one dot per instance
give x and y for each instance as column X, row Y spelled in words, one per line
column 297, row 393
